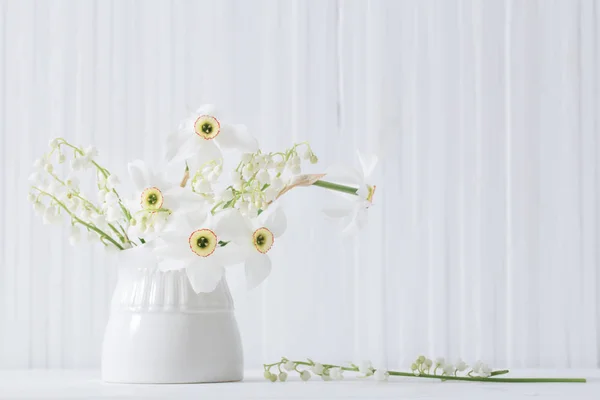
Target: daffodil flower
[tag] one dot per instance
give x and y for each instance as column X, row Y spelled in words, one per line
column 255, row 238
column 154, row 200
column 203, row 135
column 196, row 243
column 353, row 212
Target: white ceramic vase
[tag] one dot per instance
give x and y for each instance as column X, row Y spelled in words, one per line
column 161, row 331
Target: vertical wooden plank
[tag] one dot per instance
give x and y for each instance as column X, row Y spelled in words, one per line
column 18, row 123
column 588, row 173
column 4, row 273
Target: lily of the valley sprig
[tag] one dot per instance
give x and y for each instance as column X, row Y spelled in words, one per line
column 212, row 218
column 422, row 368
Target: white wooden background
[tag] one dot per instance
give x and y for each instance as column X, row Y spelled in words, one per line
column 483, row 242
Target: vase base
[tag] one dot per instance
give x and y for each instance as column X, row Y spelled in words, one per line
column 172, row 348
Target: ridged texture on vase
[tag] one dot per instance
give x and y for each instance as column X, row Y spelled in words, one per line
column 152, row 290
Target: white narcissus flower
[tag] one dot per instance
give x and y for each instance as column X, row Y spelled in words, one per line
column 381, row 374
column 202, row 136
column 195, row 244
column 155, row 198
column 353, row 213
column 255, row 238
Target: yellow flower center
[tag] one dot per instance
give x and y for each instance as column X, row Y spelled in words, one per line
column 207, row 127
column 371, row 193
column 203, row 242
column 152, row 199
column 263, row 239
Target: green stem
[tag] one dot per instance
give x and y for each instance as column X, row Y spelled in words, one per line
column 103, row 171
column 336, row 186
column 80, row 221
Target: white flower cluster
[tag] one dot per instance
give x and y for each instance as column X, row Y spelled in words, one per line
column 423, row 365
column 255, row 183
column 327, row 372
column 55, row 198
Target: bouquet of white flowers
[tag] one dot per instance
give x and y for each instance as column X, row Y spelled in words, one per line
column 205, row 221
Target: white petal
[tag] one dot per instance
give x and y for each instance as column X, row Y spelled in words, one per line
column 344, row 175
column 140, row 176
column 204, row 278
column 232, row 253
column 139, row 256
column 236, row 137
column 207, row 109
column 276, row 221
column 231, row 225
column 174, row 251
column 175, row 142
column 339, row 210
column 188, row 149
column 367, row 162
column 206, row 150
column 258, row 267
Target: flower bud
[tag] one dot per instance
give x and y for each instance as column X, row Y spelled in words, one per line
column 53, row 143
column 90, row 152
column 61, row 158
column 227, row 195
column 305, row 375
column 267, row 375
column 273, row 378
column 314, row 159
column 48, row 167
column 289, row 366
column 413, row 366
column 283, row 376
column 381, row 375
column 112, row 182
column 317, row 368
column 39, row 208
column 263, row 177
column 246, row 158
column 307, row 154
column 202, row 186
column 247, row 171
column 111, row 198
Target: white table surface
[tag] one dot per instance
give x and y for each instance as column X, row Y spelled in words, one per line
column 86, row 384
